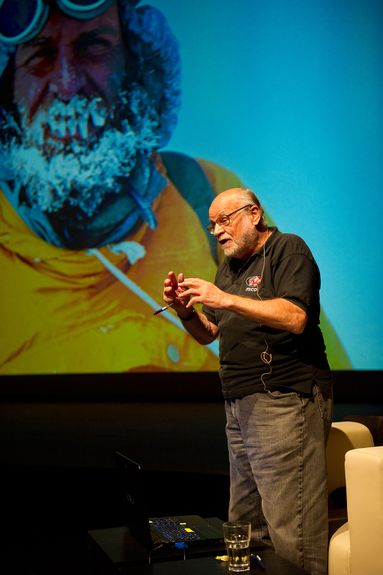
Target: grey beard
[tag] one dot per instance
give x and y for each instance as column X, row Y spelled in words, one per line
column 82, row 172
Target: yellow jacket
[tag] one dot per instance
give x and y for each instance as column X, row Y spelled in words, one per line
column 63, row 311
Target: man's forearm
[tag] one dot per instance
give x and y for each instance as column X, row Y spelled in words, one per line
column 199, row 327
column 278, row 313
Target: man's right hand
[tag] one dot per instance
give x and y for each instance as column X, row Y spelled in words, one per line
column 172, row 294
column 200, row 328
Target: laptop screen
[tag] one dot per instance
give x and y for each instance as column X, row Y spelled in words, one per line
column 130, row 485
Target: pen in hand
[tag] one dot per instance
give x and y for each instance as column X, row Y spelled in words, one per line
column 161, row 309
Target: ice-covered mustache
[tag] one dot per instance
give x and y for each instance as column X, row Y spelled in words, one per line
column 67, row 120
column 57, row 166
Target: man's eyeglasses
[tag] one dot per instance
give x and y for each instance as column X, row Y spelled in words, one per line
column 224, row 220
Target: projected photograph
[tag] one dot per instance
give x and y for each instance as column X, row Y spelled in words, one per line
column 120, row 122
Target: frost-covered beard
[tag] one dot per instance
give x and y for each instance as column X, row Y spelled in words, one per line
column 74, row 154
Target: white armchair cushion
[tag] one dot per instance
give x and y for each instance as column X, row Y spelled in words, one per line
column 339, row 552
column 364, row 486
column 344, row 435
column 356, row 548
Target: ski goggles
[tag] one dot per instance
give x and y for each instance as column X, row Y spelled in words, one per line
column 21, row 20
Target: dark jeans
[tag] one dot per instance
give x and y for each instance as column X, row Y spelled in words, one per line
column 277, row 452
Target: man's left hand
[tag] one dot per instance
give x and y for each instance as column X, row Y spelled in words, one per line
column 202, row 291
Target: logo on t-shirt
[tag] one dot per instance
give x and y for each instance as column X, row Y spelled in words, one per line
column 252, row 283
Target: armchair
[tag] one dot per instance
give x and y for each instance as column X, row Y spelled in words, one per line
column 344, row 435
column 356, row 547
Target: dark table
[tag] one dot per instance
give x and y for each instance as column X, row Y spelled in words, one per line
column 65, row 552
column 128, row 558
column 274, row 565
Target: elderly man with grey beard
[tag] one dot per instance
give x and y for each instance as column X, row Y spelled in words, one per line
column 90, row 93
column 276, row 380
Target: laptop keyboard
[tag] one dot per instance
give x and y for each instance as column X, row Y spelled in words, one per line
column 173, row 530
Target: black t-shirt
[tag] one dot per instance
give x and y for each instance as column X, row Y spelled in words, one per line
column 255, row 357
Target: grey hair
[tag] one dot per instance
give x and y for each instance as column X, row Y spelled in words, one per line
column 249, row 197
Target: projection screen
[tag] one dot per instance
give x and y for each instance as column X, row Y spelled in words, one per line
column 120, row 121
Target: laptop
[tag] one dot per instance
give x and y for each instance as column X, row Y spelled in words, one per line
column 187, row 531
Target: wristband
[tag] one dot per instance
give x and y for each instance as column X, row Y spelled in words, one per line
column 188, row 317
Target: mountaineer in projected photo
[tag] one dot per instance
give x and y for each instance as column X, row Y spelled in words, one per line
column 91, row 212
column 89, row 208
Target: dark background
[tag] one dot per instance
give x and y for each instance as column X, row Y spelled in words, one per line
column 57, row 443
